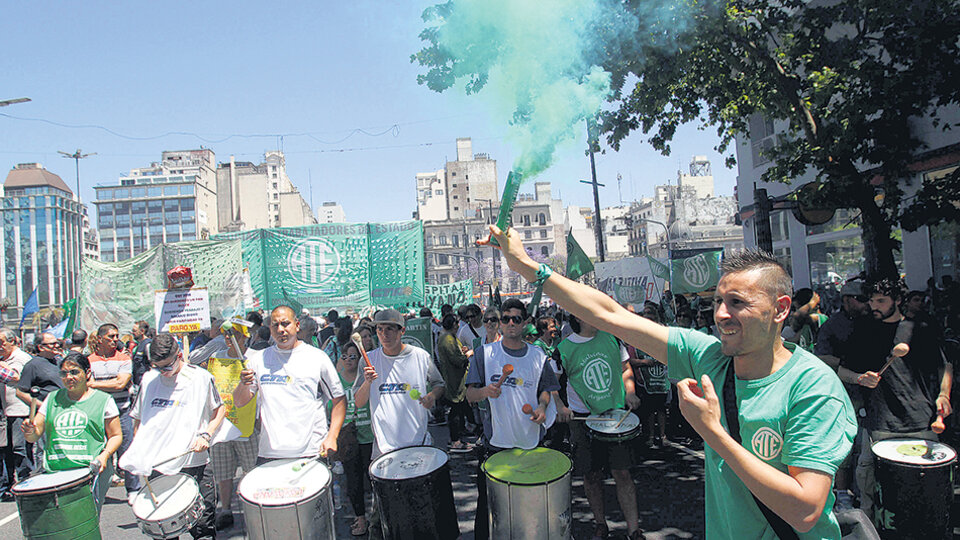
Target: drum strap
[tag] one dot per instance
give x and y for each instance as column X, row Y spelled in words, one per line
column 732, row 412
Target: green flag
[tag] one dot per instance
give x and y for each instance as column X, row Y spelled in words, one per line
column 70, row 313
column 578, row 263
column 297, row 306
column 695, row 274
column 659, row 269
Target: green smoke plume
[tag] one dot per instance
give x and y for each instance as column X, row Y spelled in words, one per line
column 537, row 59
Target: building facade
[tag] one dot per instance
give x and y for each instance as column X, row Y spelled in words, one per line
column 331, row 212
column 42, row 223
column 453, row 192
column 169, row 201
column 259, row 196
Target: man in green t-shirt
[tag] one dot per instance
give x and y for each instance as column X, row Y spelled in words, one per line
column 796, row 422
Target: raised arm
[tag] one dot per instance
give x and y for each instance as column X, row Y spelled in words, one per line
column 585, row 302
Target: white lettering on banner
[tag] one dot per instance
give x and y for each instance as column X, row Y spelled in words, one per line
column 766, row 443
column 313, row 262
column 629, row 272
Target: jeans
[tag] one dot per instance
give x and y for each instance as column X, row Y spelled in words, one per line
column 460, row 412
column 131, row 482
column 205, row 528
column 17, row 454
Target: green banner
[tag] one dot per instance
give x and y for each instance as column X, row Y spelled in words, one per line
column 336, row 265
column 419, row 333
column 695, row 274
column 659, row 269
column 455, row 294
column 578, row 263
column 122, row 292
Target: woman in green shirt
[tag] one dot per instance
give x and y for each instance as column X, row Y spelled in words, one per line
column 82, row 426
column 355, row 442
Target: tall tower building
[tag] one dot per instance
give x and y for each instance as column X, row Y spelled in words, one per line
column 471, row 181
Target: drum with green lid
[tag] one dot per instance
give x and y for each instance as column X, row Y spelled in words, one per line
column 528, row 493
column 58, row 505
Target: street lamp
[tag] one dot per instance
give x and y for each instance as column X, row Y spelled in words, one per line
column 6, row 102
column 471, row 257
column 496, row 254
column 665, row 230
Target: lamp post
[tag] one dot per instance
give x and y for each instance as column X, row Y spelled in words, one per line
column 471, row 257
column 496, row 255
column 6, row 102
column 666, row 231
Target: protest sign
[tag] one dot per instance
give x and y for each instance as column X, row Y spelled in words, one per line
column 455, row 294
column 630, row 280
column 180, row 311
column 419, row 334
column 226, row 376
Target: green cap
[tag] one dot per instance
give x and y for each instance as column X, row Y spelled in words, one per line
column 529, row 467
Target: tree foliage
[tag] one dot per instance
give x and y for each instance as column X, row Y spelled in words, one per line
column 853, row 81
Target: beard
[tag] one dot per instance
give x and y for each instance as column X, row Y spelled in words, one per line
column 880, row 315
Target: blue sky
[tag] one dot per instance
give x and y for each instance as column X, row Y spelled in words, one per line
column 337, row 71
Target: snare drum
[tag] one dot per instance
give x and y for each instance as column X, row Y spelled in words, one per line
column 288, row 498
column 415, row 494
column 603, row 427
column 178, row 507
column 529, row 494
column 914, row 491
column 58, row 505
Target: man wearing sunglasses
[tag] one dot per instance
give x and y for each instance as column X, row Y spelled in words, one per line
column 505, row 425
column 473, row 328
column 112, row 370
column 16, row 449
column 43, row 372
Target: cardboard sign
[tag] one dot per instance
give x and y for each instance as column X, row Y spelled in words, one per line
column 180, row 311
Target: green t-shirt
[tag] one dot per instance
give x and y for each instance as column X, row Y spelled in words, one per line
column 799, row 416
column 594, row 369
column 361, row 416
column 75, row 430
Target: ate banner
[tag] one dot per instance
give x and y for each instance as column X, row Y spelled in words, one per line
column 335, row 265
column 455, row 294
column 695, row 274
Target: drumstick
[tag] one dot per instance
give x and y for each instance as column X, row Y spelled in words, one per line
column 150, row 490
column 236, row 347
column 507, row 370
column 594, row 419
column 899, row 351
column 622, row 418
column 34, row 394
column 355, row 337
column 164, row 462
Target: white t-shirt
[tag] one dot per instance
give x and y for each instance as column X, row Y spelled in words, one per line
column 574, row 402
column 110, row 410
column 293, row 388
column 398, row 420
column 511, row 427
column 172, row 412
column 466, row 336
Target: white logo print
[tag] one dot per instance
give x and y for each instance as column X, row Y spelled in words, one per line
column 766, row 443
column 696, row 271
column 313, row 262
column 597, row 375
column 71, row 423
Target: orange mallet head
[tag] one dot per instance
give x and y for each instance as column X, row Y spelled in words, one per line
column 938, row 426
column 359, row 342
column 507, row 370
column 527, row 409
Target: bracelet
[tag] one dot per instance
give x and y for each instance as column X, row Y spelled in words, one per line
column 543, row 273
column 205, row 435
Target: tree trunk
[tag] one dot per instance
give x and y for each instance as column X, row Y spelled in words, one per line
column 877, row 244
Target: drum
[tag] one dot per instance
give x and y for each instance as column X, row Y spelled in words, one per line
column 914, row 489
column 414, row 494
column 603, row 427
column 288, row 498
column 58, row 505
column 178, row 507
column 528, row 493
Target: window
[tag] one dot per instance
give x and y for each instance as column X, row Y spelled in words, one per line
column 542, row 218
column 545, row 251
column 274, row 185
column 455, row 208
column 456, row 196
column 170, row 190
column 526, row 221
column 543, row 233
column 186, row 189
column 527, row 235
column 454, row 173
column 455, row 240
column 443, row 240
column 154, row 192
column 276, row 196
column 443, row 260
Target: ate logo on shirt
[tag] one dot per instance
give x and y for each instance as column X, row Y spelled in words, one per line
column 597, row 375
column 161, row 403
column 766, row 443
column 267, row 378
column 71, row 423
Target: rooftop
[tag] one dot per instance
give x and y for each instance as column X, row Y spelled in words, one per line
column 31, row 175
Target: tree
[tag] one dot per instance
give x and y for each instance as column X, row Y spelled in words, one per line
column 852, row 80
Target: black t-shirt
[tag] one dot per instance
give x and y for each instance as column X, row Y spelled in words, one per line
column 141, row 364
column 834, row 337
column 905, row 398
column 42, row 373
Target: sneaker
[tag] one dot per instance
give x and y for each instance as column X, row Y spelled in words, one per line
column 131, row 496
column 459, row 447
column 224, row 521
column 636, row 535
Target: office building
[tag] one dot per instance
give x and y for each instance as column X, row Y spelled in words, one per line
column 259, row 196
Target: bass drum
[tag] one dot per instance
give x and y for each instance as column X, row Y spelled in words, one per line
column 288, row 498
column 59, row 505
column 914, row 489
column 529, row 494
column 415, row 495
column 178, row 506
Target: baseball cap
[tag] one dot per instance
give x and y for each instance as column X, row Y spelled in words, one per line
column 389, row 316
column 852, row 288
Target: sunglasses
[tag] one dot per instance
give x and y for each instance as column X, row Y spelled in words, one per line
column 490, row 319
column 74, row 372
column 352, row 356
column 516, row 319
column 168, row 367
column 53, row 345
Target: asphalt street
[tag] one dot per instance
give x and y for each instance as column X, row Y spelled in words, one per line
column 669, row 484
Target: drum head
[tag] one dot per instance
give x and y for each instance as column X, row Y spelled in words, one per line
column 914, row 451
column 174, row 494
column 607, row 422
column 410, row 462
column 527, row 467
column 285, row 481
column 51, row 481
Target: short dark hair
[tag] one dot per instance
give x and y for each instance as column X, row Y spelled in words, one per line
column 449, row 322
column 892, row 287
column 105, row 327
column 425, row 312
column 802, row 297
column 776, row 279
column 255, row 318
column 446, row 308
column 144, row 326
column 332, row 316
column 163, row 346
column 913, row 294
column 513, row 303
column 543, row 322
column 308, row 325
column 76, row 358
column 78, row 337
column 574, row 323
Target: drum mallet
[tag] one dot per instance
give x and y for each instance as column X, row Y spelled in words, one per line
column 507, row 370
column 622, row 418
column 902, row 339
column 899, row 351
column 355, row 337
column 34, row 395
